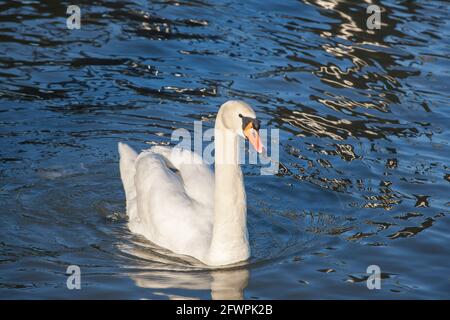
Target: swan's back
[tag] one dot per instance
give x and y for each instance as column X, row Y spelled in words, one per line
column 170, row 198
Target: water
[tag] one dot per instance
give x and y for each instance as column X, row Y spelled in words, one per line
column 363, row 118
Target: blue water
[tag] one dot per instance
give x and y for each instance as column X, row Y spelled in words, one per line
column 363, row 118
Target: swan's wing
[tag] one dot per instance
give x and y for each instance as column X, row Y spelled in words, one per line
column 197, row 177
column 158, row 188
column 167, row 214
column 127, row 172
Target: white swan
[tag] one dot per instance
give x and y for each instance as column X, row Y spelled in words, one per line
column 191, row 210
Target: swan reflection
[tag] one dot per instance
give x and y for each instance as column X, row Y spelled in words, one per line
column 225, row 284
column 160, row 269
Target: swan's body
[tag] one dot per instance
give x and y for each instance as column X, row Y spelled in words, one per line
column 177, row 202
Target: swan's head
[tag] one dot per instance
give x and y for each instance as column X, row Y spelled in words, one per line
column 239, row 117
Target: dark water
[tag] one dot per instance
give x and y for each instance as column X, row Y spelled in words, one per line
column 363, row 118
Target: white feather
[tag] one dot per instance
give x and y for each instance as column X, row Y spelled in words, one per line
column 175, row 201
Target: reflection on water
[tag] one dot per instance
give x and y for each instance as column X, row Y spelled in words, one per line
column 363, row 118
column 224, row 285
column 163, row 270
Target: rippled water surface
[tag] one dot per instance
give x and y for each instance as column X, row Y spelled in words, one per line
column 363, row 118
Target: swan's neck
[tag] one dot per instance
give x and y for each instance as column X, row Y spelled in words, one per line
column 229, row 242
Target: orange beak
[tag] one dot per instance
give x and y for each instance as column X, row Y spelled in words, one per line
column 254, row 138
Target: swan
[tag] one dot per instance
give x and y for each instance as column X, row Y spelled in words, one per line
column 174, row 199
